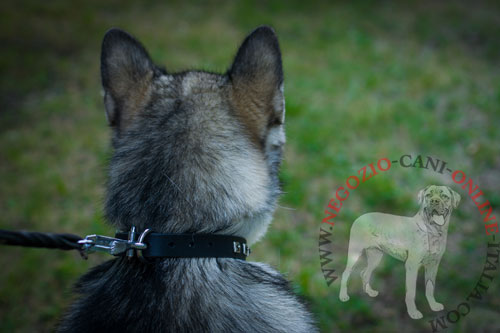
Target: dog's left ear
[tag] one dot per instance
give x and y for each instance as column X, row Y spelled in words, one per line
column 127, row 72
column 455, row 197
column 257, row 81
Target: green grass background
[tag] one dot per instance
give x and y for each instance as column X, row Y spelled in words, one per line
column 363, row 80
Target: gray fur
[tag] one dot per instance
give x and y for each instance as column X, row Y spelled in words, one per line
column 194, row 152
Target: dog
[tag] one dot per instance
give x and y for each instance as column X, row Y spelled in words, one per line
column 193, row 152
column 418, row 241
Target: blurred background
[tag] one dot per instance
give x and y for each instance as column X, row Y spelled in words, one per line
column 363, row 80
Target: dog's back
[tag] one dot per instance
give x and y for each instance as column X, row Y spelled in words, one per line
column 194, row 152
column 185, row 295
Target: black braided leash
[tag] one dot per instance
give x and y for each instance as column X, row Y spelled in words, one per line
column 40, row 239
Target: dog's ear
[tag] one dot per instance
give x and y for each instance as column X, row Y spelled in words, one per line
column 421, row 195
column 126, row 72
column 257, row 81
column 455, row 197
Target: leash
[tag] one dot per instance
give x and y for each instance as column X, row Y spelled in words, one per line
column 146, row 245
column 40, row 239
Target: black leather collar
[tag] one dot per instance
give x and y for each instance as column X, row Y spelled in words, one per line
column 192, row 246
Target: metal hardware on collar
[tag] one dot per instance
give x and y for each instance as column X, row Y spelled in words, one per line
column 141, row 241
column 114, row 246
column 131, row 239
column 239, row 247
column 246, row 249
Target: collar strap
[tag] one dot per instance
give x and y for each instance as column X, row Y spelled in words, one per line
column 190, row 245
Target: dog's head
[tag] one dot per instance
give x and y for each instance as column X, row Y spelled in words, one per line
column 437, row 203
column 194, row 151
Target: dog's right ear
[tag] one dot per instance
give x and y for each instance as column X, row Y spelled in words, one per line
column 421, row 195
column 127, row 72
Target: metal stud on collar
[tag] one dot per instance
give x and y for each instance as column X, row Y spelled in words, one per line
column 241, row 248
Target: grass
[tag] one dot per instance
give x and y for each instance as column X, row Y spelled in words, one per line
column 363, row 81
